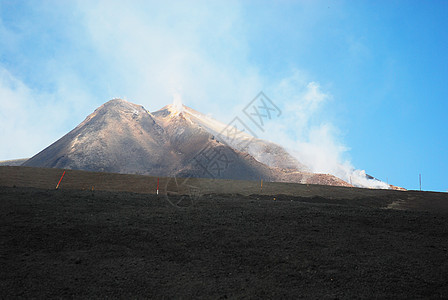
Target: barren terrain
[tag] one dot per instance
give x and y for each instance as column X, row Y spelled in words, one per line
column 109, row 235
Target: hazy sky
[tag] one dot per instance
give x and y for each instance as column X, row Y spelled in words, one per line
column 362, row 84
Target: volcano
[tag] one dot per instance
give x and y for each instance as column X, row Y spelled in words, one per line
column 123, row 137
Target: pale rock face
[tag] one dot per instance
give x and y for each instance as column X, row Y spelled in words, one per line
column 176, row 140
column 117, row 137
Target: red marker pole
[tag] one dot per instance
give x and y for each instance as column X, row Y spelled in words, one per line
column 60, row 180
column 157, row 185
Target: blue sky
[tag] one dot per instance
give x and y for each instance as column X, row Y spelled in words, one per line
column 361, row 84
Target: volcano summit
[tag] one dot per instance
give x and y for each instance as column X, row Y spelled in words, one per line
column 176, row 140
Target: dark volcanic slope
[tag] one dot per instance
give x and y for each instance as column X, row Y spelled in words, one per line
column 82, row 244
column 47, row 178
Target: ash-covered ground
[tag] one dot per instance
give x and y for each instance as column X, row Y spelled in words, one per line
column 97, row 244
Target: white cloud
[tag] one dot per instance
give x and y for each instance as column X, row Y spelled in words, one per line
column 31, row 119
column 20, row 124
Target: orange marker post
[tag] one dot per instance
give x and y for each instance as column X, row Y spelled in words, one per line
column 60, row 180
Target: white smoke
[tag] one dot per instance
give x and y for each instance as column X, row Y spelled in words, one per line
column 313, row 142
column 177, row 102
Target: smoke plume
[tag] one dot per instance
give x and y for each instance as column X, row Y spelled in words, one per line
column 304, row 131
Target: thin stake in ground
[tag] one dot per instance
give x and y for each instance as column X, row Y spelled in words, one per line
column 57, row 186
